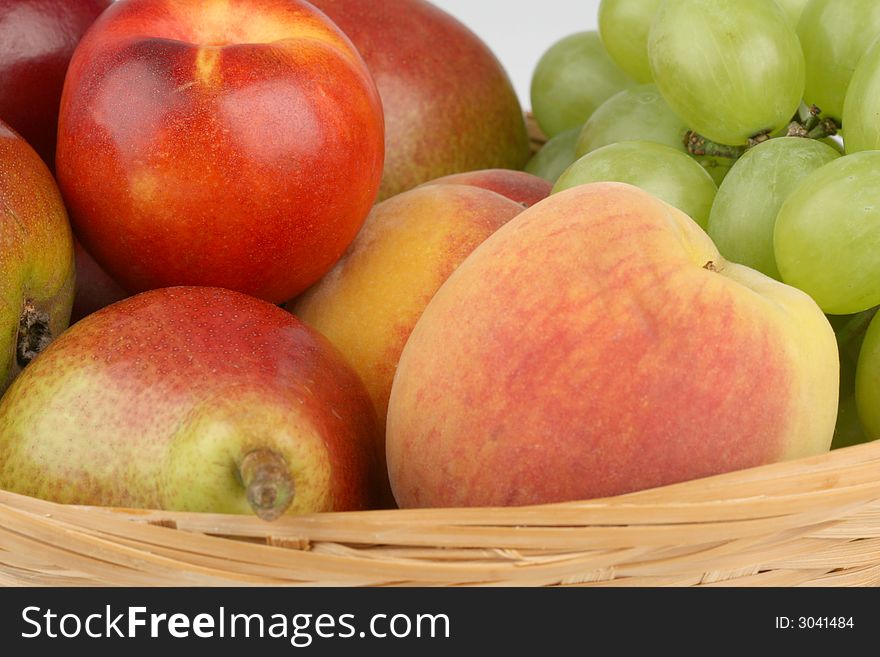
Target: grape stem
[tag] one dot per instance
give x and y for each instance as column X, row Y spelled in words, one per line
column 811, row 125
column 826, row 128
column 698, row 145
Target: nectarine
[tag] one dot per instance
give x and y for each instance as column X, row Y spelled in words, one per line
column 37, row 39
column 230, row 143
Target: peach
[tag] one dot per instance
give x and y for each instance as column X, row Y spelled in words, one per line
column 599, row 344
column 410, row 244
column 524, row 188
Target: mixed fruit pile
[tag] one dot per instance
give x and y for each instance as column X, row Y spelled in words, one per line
column 308, row 264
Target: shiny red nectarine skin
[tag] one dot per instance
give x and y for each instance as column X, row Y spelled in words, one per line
column 231, row 143
column 37, row 39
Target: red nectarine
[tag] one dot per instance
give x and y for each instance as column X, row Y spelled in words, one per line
column 37, row 39
column 232, row 143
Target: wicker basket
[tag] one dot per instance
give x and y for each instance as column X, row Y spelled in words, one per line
column 809, row 522
column 814, row 521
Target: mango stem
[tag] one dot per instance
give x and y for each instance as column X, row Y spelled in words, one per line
column 34, row 333
column 266, row 478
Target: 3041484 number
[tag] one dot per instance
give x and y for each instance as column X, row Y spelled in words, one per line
column 815, row 622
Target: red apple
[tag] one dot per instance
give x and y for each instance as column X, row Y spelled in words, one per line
column 192, row 399
column 94, row 287
column 232, row 143
column 37, row 38
column 449, row 105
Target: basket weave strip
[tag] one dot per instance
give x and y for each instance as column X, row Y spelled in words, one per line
column 815, row 521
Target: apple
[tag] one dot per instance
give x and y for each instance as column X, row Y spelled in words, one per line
column 598, row 344
column 36, row 257
column 524, row 188
column 208, row 142
column 449, row 105
column 191, row 399
column 368, row 304
column 94, row 287
column 37, row 39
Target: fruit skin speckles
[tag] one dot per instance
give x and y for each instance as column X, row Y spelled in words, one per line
column 36, row 257
column 157, row 400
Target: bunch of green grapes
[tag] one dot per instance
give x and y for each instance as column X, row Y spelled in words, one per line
column 779, row 100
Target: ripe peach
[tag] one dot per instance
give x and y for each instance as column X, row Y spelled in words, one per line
column 410, row 244
column 524, row 188
column 599, row 344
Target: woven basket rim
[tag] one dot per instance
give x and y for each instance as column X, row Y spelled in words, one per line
column 814, row 521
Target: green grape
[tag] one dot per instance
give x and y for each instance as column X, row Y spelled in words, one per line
column 868, row 381
column 744, row 213
column 571, row 80
column 827, row 236
column 861, row 109
column 668, row 174
column 834, row 35
column 731, row 69
column 793, row 8
column 636, row 114
column 641, row 114
column 555, row 156
column 623, row 26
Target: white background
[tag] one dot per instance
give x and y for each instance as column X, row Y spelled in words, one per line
column 519, row 31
